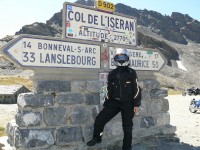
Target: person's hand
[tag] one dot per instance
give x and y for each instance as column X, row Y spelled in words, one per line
column 136, row 109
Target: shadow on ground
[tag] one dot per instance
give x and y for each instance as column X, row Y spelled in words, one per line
column 160, row 142
column 163, row 143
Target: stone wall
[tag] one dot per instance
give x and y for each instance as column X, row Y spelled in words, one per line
column 60, row 115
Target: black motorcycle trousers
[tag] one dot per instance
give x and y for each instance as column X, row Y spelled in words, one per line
column 112, row 108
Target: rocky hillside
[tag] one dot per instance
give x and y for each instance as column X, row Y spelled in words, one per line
column 176, row 36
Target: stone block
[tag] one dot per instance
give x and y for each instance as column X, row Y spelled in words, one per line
column 67, row 135
column 114, row 129
column 79, row 115
column 55, row 116
column 149, row 84
column 162, row 119
column 88, row 132
column 117, row 117
column 136, row 123
column 147, row 122
column 94, row 112
column 151, row 131
column 143, row 108
column 168, row 129
column 52, row 86
column 145, row 95
column 10, row 130
column 68, row 147
column 28, row 118
column 158, row 93
column 35, row 138
column 78, row 86
column 93, row 86
column 114, row 145
column 154, row 106
column 92, row 99
column 35, row 100
column 165, row 106
column 70, row 98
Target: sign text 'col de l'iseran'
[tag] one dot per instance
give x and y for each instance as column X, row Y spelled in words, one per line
column 90, row 24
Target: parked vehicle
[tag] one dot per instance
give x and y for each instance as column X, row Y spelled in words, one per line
column 191, row 91
column 194, row 105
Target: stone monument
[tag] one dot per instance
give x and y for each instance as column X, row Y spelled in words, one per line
column 69, row 74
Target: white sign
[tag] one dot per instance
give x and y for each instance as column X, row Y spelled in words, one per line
column 89, row 24
column 47, row 53
column 141, row 60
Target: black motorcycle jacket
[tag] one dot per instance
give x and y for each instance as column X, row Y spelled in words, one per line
column 123, row 86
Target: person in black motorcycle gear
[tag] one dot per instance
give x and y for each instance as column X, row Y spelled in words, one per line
column 124, row 95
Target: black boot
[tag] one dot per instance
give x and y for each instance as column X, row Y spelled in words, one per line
column 93, row 142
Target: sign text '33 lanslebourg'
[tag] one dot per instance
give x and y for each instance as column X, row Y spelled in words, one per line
column 42, row 52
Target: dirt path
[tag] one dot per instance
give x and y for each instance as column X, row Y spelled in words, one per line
column 7, row 113
column 187, row 123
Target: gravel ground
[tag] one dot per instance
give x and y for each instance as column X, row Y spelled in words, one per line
column 187, row 123
column 7, row 113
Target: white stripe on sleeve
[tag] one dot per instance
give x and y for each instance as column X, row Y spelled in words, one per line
column 137, row 89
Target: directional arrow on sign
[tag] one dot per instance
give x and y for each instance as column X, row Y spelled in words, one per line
column 150, row 60
column 37, row 51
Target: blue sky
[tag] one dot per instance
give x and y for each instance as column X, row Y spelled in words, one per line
column 16, row 13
